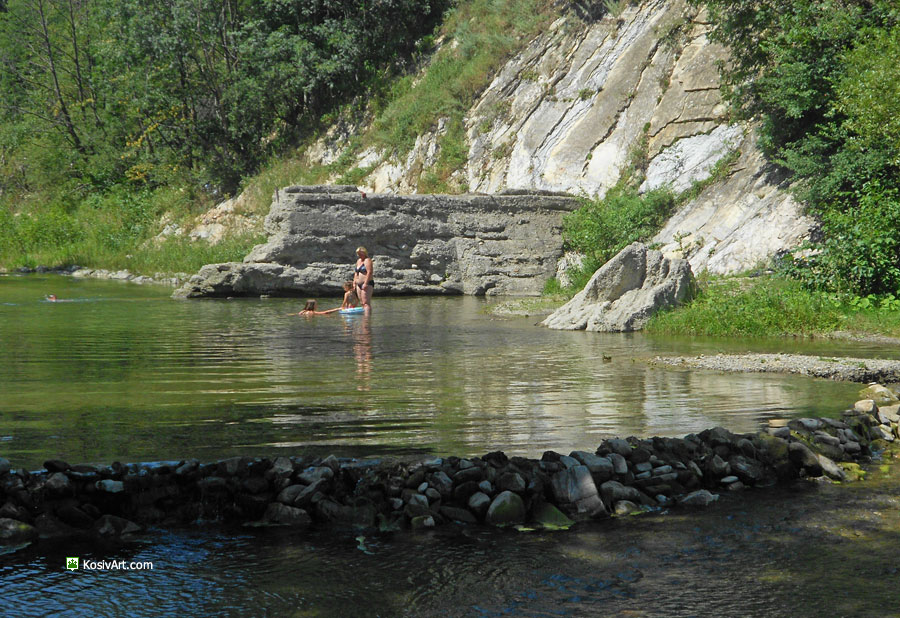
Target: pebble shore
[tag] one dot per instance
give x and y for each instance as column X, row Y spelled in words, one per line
column 862, row 370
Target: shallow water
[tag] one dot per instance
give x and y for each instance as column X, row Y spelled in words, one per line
column 805, row 550
column 123, row 372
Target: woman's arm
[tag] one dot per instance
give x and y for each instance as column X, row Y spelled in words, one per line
column 369, row 274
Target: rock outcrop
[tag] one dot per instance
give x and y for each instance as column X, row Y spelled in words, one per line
column 625, row 292
column 506, row 244
column 586, row 98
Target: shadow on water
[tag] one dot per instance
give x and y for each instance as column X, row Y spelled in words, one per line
column 808, row 549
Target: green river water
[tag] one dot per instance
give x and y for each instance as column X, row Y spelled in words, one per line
column 115, row 371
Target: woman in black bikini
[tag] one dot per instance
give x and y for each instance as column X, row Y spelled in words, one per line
column 363, row 277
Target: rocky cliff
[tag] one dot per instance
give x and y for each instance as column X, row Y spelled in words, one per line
column 591, row 96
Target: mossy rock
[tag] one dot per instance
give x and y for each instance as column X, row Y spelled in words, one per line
column 507, row 509
column 882, row 396
column 549, row 517
column 853, row 471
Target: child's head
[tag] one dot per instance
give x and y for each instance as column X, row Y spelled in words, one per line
column 310, row 305
column 348, row 285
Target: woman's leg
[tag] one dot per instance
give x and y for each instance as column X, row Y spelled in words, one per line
column 365, row 294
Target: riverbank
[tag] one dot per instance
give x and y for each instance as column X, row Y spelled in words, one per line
column 620, row 478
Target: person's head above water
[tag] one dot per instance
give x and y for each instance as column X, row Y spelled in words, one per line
column 310, row 305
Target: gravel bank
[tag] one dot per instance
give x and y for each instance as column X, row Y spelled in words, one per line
column 863, row 370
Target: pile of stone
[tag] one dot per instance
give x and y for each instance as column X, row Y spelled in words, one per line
column 621, row 477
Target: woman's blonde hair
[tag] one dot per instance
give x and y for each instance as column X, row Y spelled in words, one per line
column 363, row 250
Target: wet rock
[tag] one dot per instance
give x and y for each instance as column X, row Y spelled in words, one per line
column 701, row 497
column 749, row 471
column 418, row 500
column 113, row 527
column 457, row 514
column 462, row 492
column 278, row 513
column 717, row 436
column 479, row 503
column 506, row 509
column 468, row 474
column 614, row 491
column 74, row 516
column 13, row 532
column 441, row 482
column 421, row 521
column 290, row 493
column 574, row 490
column 187, row 468
column 620, row 465
column 55, row 465
column 109, row 486
column 718, row 467
column 601, row 467
column 619, row 447
column 831, row 469
column 486, row 488
column 510, row 481
column 801, row 455
column 624, row 507
column 313, row 474
column 58, row 484
column 548, row 516
column 5, row 466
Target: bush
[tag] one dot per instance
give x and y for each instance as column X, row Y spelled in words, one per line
column 860, row 253
column 601, row 228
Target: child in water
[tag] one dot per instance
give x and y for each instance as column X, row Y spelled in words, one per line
column 349, row 302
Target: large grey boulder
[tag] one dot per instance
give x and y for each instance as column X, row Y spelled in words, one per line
column 625, row 292
column 420, row 244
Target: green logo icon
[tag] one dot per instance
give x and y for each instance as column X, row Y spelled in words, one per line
column 72, row 564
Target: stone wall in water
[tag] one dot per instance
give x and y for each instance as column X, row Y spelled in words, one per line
column 621, row 477
column 505, row 244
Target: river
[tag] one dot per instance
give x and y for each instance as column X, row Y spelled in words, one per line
column 115, row 371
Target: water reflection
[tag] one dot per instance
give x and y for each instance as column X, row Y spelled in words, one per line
column 359, row 330
column 133, row 375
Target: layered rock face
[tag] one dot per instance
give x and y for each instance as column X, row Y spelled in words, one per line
column 421, row 244
column 589, row 97
column 625, row 292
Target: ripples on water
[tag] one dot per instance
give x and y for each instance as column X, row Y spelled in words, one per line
column 806, row 550
column 123, row 372
column 126, row 373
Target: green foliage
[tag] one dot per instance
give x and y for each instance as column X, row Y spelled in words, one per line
column 603, row 227
column 860, row 252
column 151, row 91
column 824, row 78
column 478, row 36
